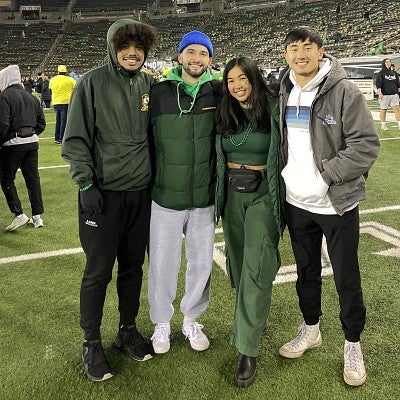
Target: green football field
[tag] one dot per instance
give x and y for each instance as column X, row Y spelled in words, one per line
column 40, row 337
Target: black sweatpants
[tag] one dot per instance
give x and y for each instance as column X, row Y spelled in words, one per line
column 120, row 232
column 342, row 236
column 10, row 160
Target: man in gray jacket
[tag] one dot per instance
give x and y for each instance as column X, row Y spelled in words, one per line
column 329, row 143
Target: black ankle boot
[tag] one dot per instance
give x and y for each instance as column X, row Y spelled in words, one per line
column 245, row 370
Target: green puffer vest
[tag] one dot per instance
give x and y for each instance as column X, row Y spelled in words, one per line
column 275, row 181
column 183, row 145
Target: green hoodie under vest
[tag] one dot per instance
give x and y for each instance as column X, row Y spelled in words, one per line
column 183, row 141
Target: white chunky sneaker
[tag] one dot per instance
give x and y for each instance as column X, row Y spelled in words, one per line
column 308, row 337
column 354, row 371
column 198, row 340
column 17, row 222
column 160, row 338
column 36, row 221
column 384, row 127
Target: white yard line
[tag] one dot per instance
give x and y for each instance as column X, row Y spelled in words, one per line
column 77, row 250
column 380, row 209
column 389, row 138
column 44, row 254
column 55, row 166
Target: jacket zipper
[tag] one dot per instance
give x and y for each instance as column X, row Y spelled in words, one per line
column 193, row 159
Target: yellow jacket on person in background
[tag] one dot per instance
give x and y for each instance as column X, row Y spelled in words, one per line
column 61, row 89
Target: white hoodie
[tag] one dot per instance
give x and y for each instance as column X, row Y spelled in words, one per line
column 9, row 76
column 305, row 187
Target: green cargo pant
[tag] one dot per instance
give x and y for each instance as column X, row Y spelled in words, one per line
column 251, row 242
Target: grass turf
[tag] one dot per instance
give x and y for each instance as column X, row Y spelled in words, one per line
column 40, row 338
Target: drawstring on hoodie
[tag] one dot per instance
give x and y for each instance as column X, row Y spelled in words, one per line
column 325, row 67
column 182, row 111
column 298, row 105
column 191, row 89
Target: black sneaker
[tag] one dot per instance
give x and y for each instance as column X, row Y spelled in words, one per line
column 97, row 367
column 130, row 341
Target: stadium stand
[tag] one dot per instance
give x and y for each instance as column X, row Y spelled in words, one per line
column 82, row 47
column 255, row 29
column 46, row 5
column 114, row 5
column 26, row 44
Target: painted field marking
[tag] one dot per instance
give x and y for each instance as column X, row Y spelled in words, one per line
column 286, row 273
column 44, row 254
column 55, row 166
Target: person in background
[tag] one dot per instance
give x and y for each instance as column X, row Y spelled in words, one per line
column 46, row 92
column 182, row 112
column 250, row 202
column 28, row 83
column 175, row 60
column 74, row 75
column 61, row 87
column 21, row 121
column 106, row 145
column 39, row 86
column 329, row 143
column 388, row 89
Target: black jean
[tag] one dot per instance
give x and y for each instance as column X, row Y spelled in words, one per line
column 27, row 160
column 342, row 237
column 120, row 232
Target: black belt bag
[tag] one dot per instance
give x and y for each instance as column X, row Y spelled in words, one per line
column 25, row 132
column 244, row 180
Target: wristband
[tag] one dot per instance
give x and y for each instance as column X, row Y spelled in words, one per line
column 83, row 189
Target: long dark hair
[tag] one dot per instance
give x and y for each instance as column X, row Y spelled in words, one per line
column 231, row 118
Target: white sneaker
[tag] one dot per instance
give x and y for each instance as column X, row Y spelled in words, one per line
column 17, row 222
column 36, row 221
column 354, row 371
column 308, row 337
column 384, row 127
column 198, row 340
column 160, row 338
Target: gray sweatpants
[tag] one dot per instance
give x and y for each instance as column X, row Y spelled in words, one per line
column 166, row 229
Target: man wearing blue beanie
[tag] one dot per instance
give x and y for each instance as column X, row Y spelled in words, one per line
column 196, row 37
column 182, row 118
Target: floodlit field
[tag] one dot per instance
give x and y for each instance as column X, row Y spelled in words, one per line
column 40, row 337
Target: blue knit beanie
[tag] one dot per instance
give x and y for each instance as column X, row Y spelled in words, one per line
column 196, row 37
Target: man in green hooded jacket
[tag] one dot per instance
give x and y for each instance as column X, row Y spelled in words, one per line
column 182, row 112
column 106, row 145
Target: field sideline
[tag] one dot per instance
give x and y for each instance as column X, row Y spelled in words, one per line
column 40, row 338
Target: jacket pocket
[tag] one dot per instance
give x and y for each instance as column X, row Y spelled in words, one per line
column 307, row 187
column 348, row 193
column 270, row 259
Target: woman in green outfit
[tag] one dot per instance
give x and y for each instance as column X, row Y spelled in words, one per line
column 249, row 200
